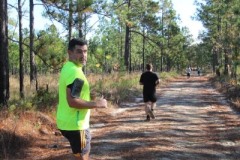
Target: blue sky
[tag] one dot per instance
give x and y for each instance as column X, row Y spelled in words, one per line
column 184, row 8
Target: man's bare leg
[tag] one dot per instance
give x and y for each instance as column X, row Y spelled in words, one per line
column 148, row 110
column 153, row 105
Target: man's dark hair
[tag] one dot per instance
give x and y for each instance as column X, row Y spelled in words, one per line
column 149, row 66
column 73, row 42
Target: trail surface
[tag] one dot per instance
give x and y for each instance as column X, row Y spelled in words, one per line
column 193, row 121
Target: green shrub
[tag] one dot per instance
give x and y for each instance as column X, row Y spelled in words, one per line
column 43, row 99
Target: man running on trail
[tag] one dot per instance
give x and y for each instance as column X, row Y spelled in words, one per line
column 188, row 70
column 149, row 80
column 73, row 112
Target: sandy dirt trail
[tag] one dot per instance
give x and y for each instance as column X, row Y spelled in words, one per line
column 193, row 122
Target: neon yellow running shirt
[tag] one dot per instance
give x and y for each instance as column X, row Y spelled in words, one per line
column 71, row 118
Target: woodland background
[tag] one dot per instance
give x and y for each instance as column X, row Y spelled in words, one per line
column 130, row 34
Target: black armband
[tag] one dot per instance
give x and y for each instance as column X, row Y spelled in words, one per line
column 76, row 87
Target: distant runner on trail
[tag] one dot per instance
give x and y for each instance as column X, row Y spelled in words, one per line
column 73, row 111
column 198, row 71
column 188, row 70
column 149, row 80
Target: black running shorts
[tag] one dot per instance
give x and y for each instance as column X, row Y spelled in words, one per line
column 149, row 97
column 79, row 140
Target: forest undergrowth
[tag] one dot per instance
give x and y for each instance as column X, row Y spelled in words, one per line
column 230, row 88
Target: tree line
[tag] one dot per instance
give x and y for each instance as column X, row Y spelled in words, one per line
column 129, row 34
column 222, row 38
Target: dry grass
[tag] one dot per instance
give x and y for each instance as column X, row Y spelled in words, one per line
column 230, row 89
column 19, row 131
column 49, row 82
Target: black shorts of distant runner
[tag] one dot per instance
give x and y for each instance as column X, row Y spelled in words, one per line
column 149, row 97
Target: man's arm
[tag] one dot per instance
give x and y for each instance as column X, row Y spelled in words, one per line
column 157, row 82
column 82, row 104
column 73, row 93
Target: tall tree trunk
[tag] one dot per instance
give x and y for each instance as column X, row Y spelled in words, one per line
column 218, row 50
column 168, row 41
column 143, row 51
column 127, row 41
column 70, row 21
column 130, row 54
column 162, row 20
column 80, row 26
column 33, row 69
column 121, row 41
column 215, row 60
column 126, row 54
column 21, row 71
column 227, row 53
column 4, row 70
column 226, row 62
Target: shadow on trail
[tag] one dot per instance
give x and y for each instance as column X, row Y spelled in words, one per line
column 191, row 123
column 128, row 145
column 13, row 145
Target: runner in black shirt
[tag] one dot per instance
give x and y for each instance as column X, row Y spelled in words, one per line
column 149, row 80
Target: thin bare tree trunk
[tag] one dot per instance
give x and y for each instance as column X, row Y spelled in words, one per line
column 143, row 51
column 4, row 70
column 21, row 71
column 33, row 69
column 70, row 21
column 127, row 41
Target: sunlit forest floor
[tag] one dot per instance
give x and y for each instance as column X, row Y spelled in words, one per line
column 120, row 132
